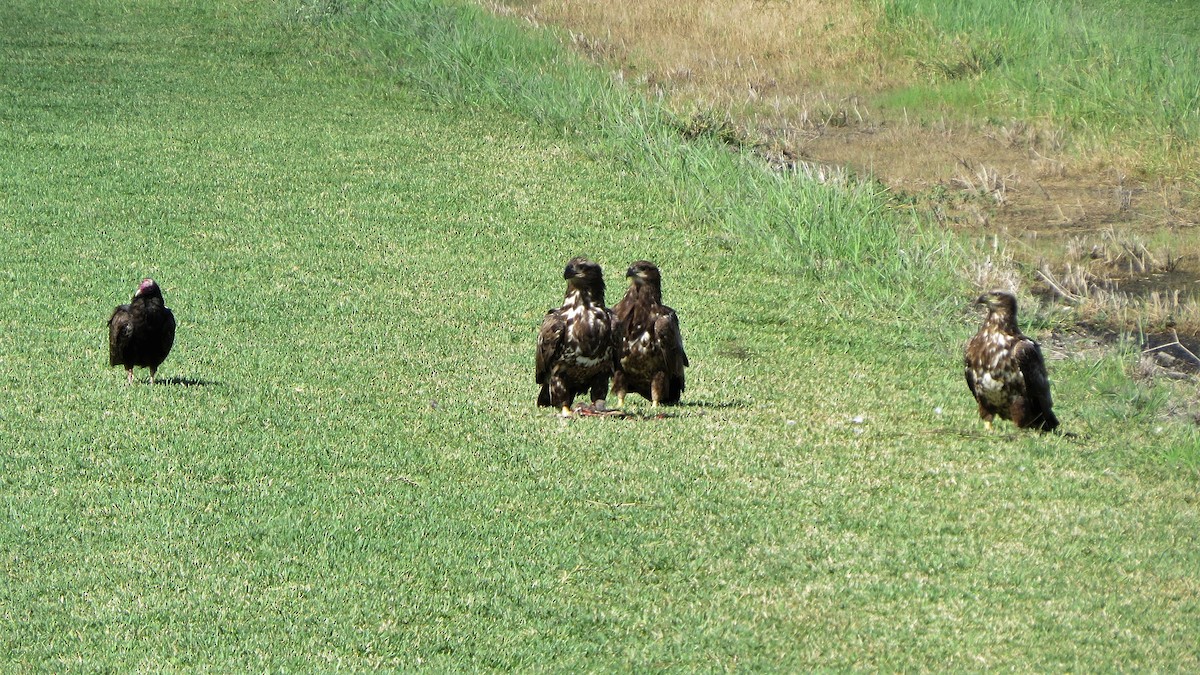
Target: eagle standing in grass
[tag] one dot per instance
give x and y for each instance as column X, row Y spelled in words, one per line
column 141, row 333
column 576, row 347
column 1005, row 370
column 651, row 348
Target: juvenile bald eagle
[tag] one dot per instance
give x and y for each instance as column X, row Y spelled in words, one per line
column 576, row 347
column 141, row 333
column 1005, row 370
column 651, row 347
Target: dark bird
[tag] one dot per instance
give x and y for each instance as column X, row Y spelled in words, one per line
column 576, row 347
column 1005, row 370
column 141, row 333
column 652, row 359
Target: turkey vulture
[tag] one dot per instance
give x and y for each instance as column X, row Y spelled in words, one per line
column 652, row 359
column 141, row 333
column 1005, row 370
column 576, row 347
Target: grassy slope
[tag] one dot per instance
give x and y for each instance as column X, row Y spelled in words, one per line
column 348, row 470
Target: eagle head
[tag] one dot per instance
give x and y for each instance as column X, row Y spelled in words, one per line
column 644, row 272
column 148, row 289
column 999, row 302
column 1002, row 311
column 584, row 275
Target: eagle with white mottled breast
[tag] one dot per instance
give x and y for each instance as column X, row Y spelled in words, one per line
column 652, row 358
column 1005, row 370
column 576, row 347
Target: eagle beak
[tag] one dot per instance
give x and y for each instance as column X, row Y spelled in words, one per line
column 568, row 272
column 981, row 300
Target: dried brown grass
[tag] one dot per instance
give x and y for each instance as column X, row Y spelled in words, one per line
column 991, row 266
column 1095, row 275
column 740, row 54
column 979, row 179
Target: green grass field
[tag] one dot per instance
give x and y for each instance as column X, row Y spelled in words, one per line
column 344, row 467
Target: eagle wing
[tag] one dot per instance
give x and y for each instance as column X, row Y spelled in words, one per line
column 670, row 341
column 1028, row 356
column 549, row 344
column 969, row 364
column 120, row 327
column 616, row 331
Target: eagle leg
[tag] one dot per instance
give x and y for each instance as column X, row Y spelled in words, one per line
column 658, row 388
column 566, row 411
column 618, row 387
column 128, row 376
column 152, row 372
column 600, row 388
column 559, row 395
column 1019, row 413
column 986, row 415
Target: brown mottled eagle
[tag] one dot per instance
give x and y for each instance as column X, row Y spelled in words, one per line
column 141, row 333
column 576, row 347
column 651, row 348
column 1005, row 370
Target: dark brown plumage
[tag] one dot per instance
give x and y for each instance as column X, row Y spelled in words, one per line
column 141, row 333
column 576, row 347
column 651, row 357
column 1005, row 370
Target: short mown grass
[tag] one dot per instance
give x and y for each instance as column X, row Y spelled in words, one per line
column 344, row 467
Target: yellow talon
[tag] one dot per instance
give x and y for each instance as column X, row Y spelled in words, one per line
column 566, row 411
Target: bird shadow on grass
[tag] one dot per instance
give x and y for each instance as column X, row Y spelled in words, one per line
column 188, row 382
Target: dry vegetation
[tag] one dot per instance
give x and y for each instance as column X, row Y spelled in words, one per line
column 731, row 55
column 779, row 72
column 800, row 80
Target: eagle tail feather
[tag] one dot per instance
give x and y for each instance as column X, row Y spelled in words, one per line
column 1048, row 422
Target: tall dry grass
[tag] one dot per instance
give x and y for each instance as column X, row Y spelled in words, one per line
column 742, row 55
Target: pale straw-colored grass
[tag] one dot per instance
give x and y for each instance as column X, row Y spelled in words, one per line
column 743, row 54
